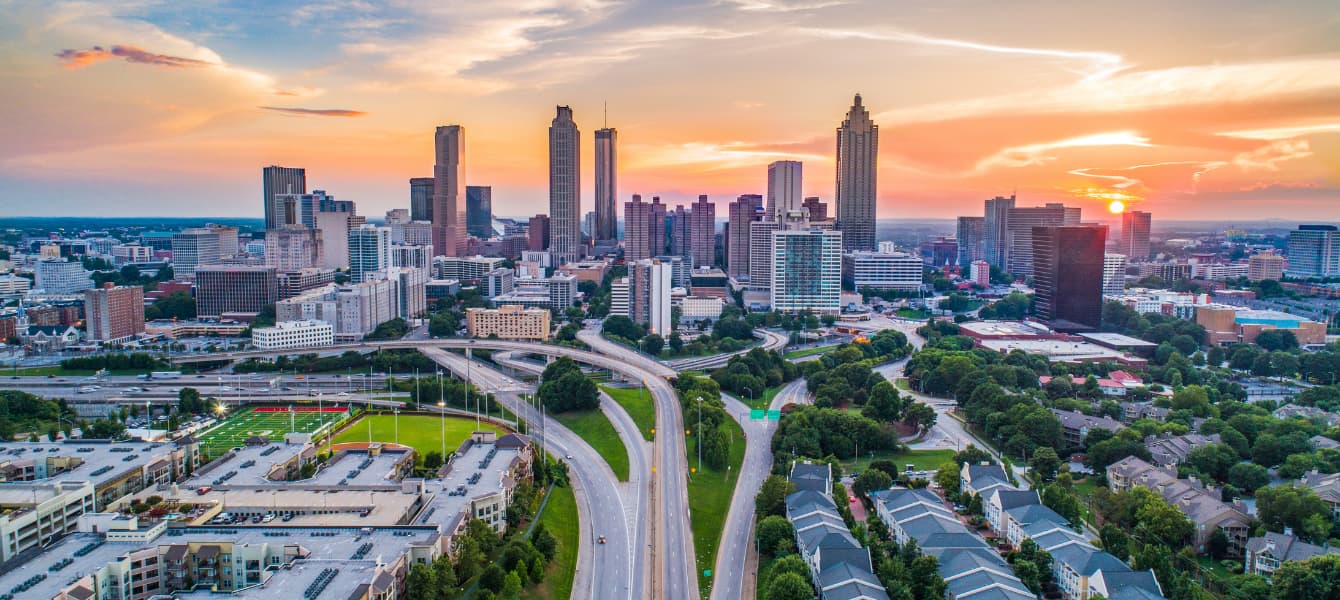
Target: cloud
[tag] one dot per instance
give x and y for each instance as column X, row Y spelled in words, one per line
column 316, row 112
column 1038, row 154
column 1268, row 157
column 784, row 6
column 302, row 91
column 78, row 59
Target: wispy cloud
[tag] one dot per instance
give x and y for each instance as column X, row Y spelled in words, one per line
column 785, row 6
column 78, row 59
column 1269, row 157
column 316, row 112
column 1040, row 153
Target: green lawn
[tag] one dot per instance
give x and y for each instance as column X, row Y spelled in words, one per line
column 248, row 423
column 903, row 384
column 560, row 518
column 709, row 500
column 1084, row 491
column 594, row 427
column 921, row 460
column 761, row 402
column 908, row 313
column 421, row 432
column 809, row 351
column 639, row 405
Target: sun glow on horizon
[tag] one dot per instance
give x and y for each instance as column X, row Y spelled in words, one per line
column 1116, row 207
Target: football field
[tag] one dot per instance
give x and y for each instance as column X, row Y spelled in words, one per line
column 272, row 422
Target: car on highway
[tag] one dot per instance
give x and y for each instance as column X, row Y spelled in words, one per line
column 569, row 457
column 600, row 540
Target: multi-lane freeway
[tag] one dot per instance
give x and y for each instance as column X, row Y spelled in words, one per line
column 771, row 341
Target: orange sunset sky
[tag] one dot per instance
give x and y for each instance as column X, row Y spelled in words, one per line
column 1191, row 110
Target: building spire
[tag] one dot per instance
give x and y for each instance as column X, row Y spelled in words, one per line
column 858, row 99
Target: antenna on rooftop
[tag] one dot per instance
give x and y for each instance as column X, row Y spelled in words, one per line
column 606, row 114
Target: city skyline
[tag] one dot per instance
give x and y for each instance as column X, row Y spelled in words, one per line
column 1231, row 116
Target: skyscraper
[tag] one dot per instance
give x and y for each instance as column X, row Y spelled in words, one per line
column 1020, row 232
column 369, row 250
column 191, row 248
column 656, row 240
column 1114, row 273
column 280, row 180
column 1135, row 235
column 970, row 233
column 537, row 234
column 421, row 198
column 636, row 230
column 1314, row 251
column 479, row 211
column 565, row 202
column 857, row 170
column 607, row 188
column 996, row 231
column 678, row 222
column 1068, row 276
column 746, row 209
column 702, row 233
column 817, row 210
column 115, row 313
column 806, row 270
column 784, row 179
column 650, row 282
column 448, row 182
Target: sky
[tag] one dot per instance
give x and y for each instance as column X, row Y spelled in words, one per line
column 1198, row 109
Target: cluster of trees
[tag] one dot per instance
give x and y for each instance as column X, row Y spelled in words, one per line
column 1296, row 507
column 748, row 375
column 814, row 431
column 24, row 412
column 385, row 361
column 503, row 565
column 1278, row 355
column 177, row 305
column 449, row 312
column 566, row 388
column 390, row 330
column 137, row 361
column 1033, row 566
column 1013, row 307
column 702, row 396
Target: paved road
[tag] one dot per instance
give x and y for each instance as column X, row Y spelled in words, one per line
column 771, row 341
column 671, row 537
column 598, row 490
column 737, row 567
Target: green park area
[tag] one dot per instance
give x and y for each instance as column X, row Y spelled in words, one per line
column 560, row 519
column 808, row 352
column 595, row 428
column 638, row 403
column 921, row 460
column 273, row 422
column 710, row 493
column 424, row 433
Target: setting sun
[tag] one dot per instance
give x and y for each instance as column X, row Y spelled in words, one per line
column 1116, row 207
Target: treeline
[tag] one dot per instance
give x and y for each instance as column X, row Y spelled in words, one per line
column 24, row 412
column 750, row 374
column 811, row 431
column 564, row 387
column 137, row 361
column 385, row 361
column 701, row 393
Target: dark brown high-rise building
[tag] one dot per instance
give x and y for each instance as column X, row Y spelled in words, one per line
column 1068, row 276
column 537, row 236
column 703, row 233
column 226, row 289
column 818, row 211
column 449, row 191
column 745, row 210
column 421, row 198
column 276, row 180
column 114, row 313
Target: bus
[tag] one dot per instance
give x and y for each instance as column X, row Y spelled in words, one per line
column 165, row 375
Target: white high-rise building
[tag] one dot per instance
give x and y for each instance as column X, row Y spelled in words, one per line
column 412, row 257
column 411, row 289
column 857, row 171
column 192, row 248
column 619, row 297
column 1114, row 273
column 1314, row 251
column 760, row 253
column 334, row 228
column 878, row 270
column 293, row 334
column 649, row 295
column 807, row 270
column 293, row 248
column 369, row 250
column 565, row 190
column 784, row 194
column 61, row 276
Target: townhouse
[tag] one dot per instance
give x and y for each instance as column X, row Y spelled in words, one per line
column 840, row 567
column 1199, row 503
column 1266, row 553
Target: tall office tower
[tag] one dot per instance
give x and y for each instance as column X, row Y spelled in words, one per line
column 1114, row 273
column 636, row 230
column 448, row 188
column 537, row 234
column 421, row 198
column 760, row 253
column 192, row 248
column 678, row 222
column 807, row 270
column 656, row 241
column 1020, row 233
column 607, row 185
column 277, row 180
column 293, row 248
column 565, row 189
column 1068, row 276
column 1135, row 235
column 115, row 313
column 228, row 246
column 970, row 233
column 1266, row 265
column 745, row 210
column 479, row 211
column 650, row 281
column 784, row 179
column 857, row 171
column 334, row 229
column 1314, row 251
column 223, row 289
column 369, row 250
column 589, row 224
column 703, row 233
column 996, row 231
column 818, row 211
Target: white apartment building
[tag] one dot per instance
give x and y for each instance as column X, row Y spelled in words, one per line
column 293, row 334
column 695, row 308
column 465, row 268
column 886, row 271
column 353, row 310
column 1114, row 273
column 61, row 276
column 619, row 297
column 412, row 256
column 131, row 253
column 807, row 270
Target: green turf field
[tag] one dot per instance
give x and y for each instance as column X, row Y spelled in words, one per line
column 246, row 423
column 421, row 432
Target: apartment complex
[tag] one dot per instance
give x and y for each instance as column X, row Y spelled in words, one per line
column 806, row 270
column 114, row 314
column 509, row 322
column 293, row 334
column 1199, row 503
column 878, row 270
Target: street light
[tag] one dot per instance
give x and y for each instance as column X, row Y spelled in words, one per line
column 442, row 407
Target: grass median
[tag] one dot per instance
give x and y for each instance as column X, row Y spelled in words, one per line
column 639, row 405
column 710, row 493
column 594, row 427
column 921, row 460
column 809, row 351
column 560, row 519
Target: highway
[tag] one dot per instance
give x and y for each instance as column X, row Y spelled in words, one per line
column 771, row 341
column 596, row 487
column 675, row 573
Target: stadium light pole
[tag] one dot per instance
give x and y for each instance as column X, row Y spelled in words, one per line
column 442, row 408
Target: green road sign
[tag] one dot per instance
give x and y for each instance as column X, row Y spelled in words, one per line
column 758, row 414
column 707, row 572
column 774, row 415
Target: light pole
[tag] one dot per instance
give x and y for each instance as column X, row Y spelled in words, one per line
column 396, row 412
column 442, row 407
column 700, row 434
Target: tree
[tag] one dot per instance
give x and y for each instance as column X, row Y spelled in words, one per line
column 421, row 584
column 1317, row 577
column 920, row 416
column 190, row 403
column 883, row 403
column 789, row 586
column 1272, row 340
column 1248, row 477
column 1212, row 460
column 511, row 589
column 1161, row 520
column 1045, row 463
column 872, row 480
column 566, row 388
column 676, row 343
column 1292, row 506
column 771, row 497
column 623, row 327
column 1115, row 541
column 653, row 344
column 432, row 461
column 947, row 477
column 775, row 535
